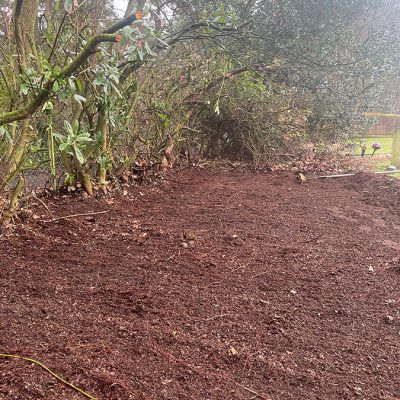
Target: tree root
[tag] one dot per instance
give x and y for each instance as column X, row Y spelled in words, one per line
column 13, row 206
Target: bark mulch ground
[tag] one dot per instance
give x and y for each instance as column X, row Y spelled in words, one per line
column 215, row 285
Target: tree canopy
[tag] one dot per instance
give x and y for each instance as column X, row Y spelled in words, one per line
column 88, row 94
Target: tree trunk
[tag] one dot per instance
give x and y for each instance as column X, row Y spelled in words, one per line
column 13, row 204
column 13, row 163
column 102, row 129
column 134, row 5
column 25, row 15
column 84, row 178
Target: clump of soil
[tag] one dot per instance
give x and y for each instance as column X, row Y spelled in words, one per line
column 377, row 190
column 215, row 285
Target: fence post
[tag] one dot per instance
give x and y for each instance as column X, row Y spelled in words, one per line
column 395, row 160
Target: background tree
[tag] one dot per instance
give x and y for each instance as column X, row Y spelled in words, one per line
column 89, row 97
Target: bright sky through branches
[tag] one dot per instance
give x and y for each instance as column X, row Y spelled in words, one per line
column 120, row 6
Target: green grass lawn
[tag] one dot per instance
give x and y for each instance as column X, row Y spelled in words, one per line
column 381, row 160
column 380, row 164
column 386, row 143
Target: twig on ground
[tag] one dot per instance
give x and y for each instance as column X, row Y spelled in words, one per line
column 250, row 390
column 215, row 317
column 31, row 360
column 176, row 181
column 43, row 204
column 352, row 174
column 76, row 215
column 201, row 373
column 312, row 239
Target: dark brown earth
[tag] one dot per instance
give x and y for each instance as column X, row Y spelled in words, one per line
column 284, row 291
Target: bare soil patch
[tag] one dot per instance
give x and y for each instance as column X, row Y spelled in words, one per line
column 215, row 285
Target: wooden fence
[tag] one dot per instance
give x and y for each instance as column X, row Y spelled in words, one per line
column 387, row 125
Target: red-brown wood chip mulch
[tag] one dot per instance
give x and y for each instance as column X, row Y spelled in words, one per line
column 215, row 285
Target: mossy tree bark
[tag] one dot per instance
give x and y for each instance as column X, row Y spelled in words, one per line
column 25, row 15
column 12, row 165
column 13, row 203
column 102, row 129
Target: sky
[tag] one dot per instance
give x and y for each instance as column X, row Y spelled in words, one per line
column 120, row 6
